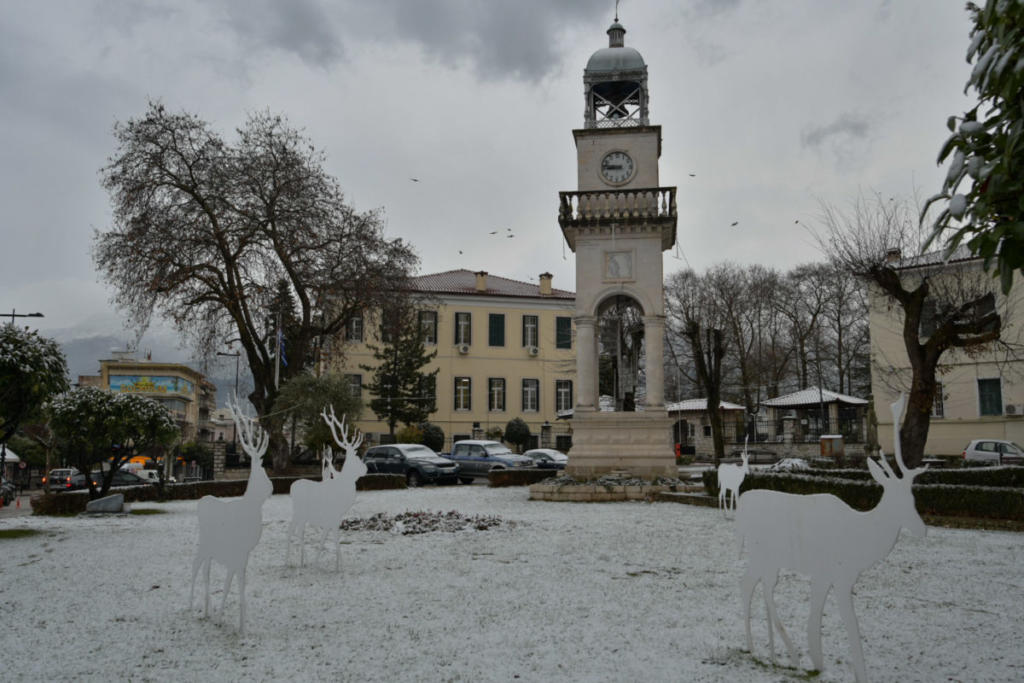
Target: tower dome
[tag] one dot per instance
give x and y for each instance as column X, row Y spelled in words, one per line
column 615, row 79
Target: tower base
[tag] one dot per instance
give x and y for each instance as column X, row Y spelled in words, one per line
column 637, row 443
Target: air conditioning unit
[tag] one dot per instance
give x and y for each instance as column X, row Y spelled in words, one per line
column 532, row 350
column 463, row 348
column 1014, row 409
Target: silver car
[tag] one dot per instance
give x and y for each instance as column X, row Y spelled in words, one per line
column 994, row 452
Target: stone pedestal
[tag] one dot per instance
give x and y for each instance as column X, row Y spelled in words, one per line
column 219, row 448
column 638, row 443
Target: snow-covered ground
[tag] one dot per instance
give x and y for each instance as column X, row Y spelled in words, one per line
column 577, row 592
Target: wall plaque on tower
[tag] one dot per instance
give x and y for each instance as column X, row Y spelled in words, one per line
column 618, row 266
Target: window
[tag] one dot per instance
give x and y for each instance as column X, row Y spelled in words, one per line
column 531, row 399
column 355, row 385
column 563, row 394
column 938, row 409
column 495, row 394
column 428, row 392
column 463, row 386
column 496, row 329
column 563, row 442
column 354, row 329
column 990, row 397
column 563, row 333
column 390, row 325
column 530, row 327
column 428, row 326
column 463, row 329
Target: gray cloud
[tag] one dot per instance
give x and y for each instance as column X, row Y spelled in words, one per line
column 508, row 40
column 301, row 27
column 846, row 126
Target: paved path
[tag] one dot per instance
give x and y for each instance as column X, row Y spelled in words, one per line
column 13, row 510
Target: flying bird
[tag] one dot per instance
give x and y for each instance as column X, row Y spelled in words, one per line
column 493, row 232
column 693, row 175
column 415, row 180
column 735, row 223
column 460, row 251
column 510, row 236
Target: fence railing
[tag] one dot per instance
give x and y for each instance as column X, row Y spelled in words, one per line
column 765, row 431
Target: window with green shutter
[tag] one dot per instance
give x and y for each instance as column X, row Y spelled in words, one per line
column 496, row 329
column 990, row 397
column 563, row 332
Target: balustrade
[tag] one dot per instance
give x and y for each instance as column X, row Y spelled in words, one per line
column 653, row 202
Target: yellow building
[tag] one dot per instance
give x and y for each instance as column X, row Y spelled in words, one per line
column 981, row 394
column 186, row 393
column 505, row 349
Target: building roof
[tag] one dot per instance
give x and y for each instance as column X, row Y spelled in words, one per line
column 699, row 404
column 812, row 397
column 612, row 59
column 463, row 281
column 936, row 258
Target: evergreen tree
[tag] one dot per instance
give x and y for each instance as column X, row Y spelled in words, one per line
column 403, row 393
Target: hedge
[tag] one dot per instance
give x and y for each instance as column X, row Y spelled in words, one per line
column 523, row 477
column 74, row 502
column 968, row 499
column 998, row 477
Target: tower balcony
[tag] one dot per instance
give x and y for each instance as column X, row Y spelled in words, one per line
column 634, row 211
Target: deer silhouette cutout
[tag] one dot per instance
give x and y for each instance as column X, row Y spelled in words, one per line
column 730, row 477
column 323, row 503
column 230, row 529
column 821, row 536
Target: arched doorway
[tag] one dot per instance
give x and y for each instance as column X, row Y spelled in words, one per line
column 621, row 352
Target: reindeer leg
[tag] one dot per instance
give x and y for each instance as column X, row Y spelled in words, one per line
column 844, row 596
column 819, row 591
column 337, row 550
column 288, row 542
column 302, row 544
column 241, row 600
column 206, row 582
column 777, row 623
column 196, row 563
column 747, row 586
column 227, row 588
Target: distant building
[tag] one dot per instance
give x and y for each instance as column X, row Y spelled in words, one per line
column 186, row 393
column 691, row 426
column 980, row 393
column 504, row 350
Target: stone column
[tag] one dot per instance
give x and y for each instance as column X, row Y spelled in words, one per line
column 654, row 340
column 586, row 362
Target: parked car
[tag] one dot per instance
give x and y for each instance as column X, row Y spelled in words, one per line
column 121, row 478
column 993, row 452
column 547, row 458
column 8, row 492
column 416, row 462
column 479, row 458
column 64, row 479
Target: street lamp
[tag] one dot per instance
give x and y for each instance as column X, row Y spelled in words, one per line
column 234, row 428
column 24, row 315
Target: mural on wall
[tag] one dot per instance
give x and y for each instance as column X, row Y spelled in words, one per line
column 821, row 536
column 120, row 384
column 730, row 477
column 230, row 529
column 323, row 503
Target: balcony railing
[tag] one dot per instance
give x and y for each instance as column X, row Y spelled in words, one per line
column 583, row 207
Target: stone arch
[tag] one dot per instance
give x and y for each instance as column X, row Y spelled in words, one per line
column 647, row 306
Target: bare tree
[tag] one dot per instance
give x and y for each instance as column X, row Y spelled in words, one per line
column 944, row 304
column 209, row 234
column 801, row 301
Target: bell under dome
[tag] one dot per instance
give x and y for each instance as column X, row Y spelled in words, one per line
column 615, row 79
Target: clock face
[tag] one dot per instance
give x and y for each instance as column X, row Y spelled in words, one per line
column 617, row 167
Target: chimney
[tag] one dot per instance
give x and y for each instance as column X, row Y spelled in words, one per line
column 893, row 255
column 481, row 281
column 545, row 284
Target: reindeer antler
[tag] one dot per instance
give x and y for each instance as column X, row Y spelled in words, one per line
column 253, row 437
column 343, row 441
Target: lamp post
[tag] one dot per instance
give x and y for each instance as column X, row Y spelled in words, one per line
column 24, row 315
column 234, row 428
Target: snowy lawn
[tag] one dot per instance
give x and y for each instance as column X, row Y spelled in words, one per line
column 580, row 592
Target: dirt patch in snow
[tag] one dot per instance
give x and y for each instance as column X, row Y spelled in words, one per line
column 412, row 523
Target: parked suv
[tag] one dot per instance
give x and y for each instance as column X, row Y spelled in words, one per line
column 416, row 462
column 478, row 458
column 994, row 452
column 64, row 479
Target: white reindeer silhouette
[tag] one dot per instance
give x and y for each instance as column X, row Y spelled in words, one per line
column 230, row 529
column 821, row 536
column 729, row 479
column 323, row 503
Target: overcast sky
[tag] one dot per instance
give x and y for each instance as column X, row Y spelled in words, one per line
column 773, row 107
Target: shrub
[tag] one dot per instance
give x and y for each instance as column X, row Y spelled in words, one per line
column 410, row 434
column 523, row 477
column 433, row 436
column 517, row 432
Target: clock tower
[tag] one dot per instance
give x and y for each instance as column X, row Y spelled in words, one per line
column 618, row 222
